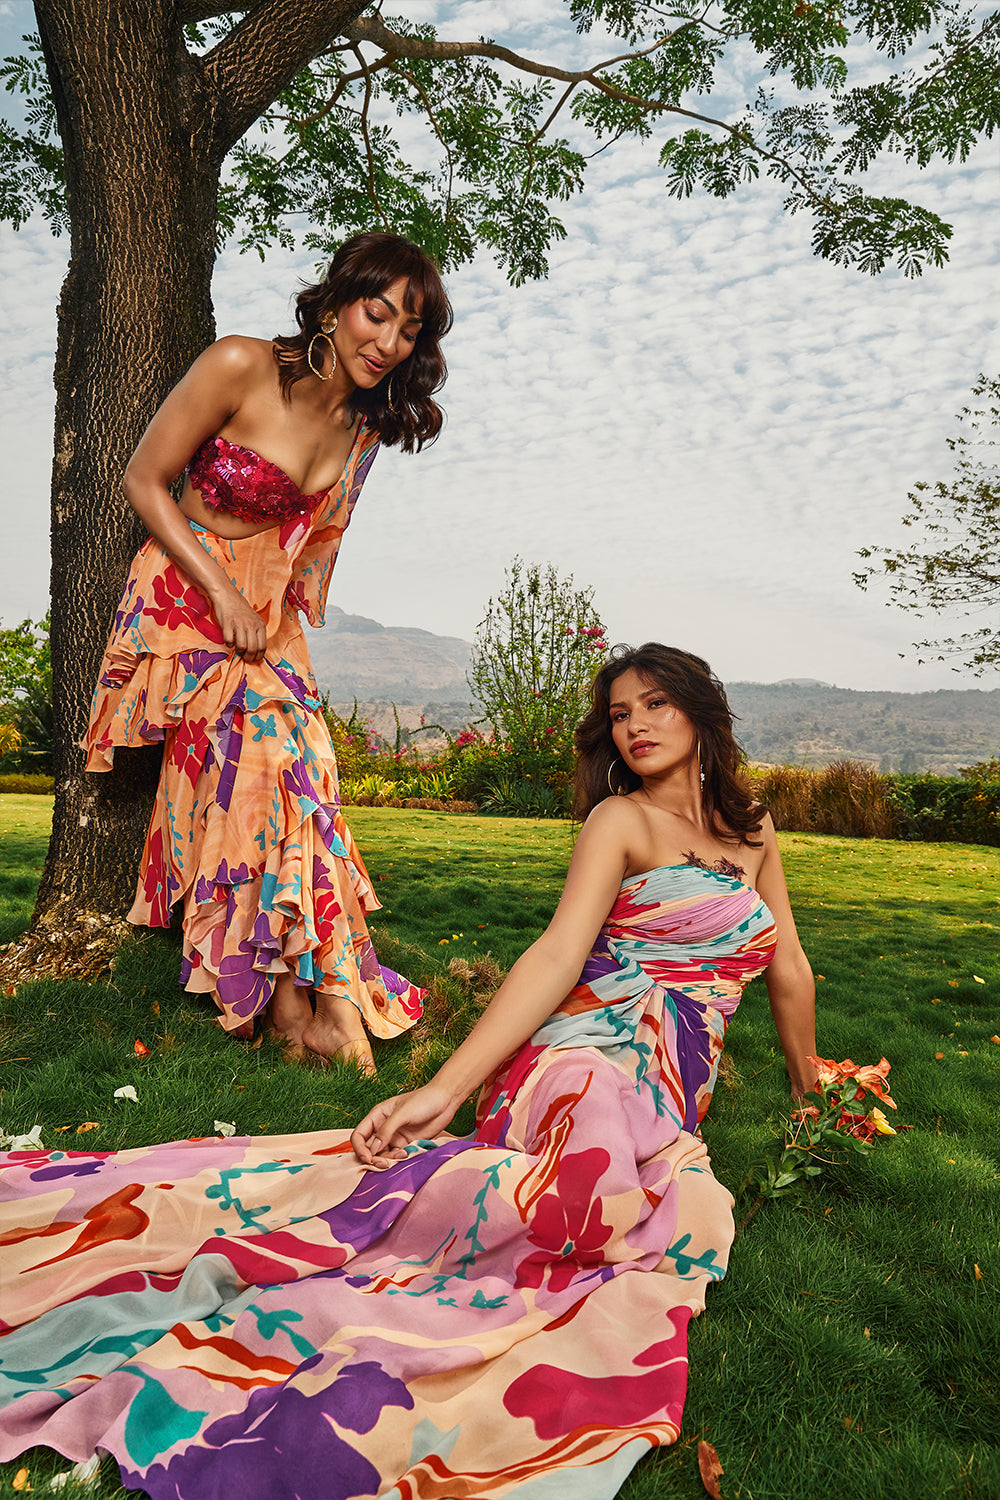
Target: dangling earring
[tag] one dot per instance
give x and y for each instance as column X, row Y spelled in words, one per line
column 326, row 330
column 388, row 396
column 701, row 768
column 616, row 791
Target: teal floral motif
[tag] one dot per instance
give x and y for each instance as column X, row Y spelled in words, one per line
column 263, row 726
column 226, row 1199
column 706, row 1261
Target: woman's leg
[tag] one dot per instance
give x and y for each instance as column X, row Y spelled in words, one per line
column 337, row 1031
column 290, row 1013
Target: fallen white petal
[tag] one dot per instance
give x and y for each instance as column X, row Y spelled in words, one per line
column 222, row 1128
column 128, row 1092
column 30, row 1142
column 85, row 1473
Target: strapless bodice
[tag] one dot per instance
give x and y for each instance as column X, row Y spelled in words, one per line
column 236, row 479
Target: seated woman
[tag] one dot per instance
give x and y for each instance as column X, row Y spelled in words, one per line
column 500, row 1313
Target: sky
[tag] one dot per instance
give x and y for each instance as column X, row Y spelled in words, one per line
column 692, row 415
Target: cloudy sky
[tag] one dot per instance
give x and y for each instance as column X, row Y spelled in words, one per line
column 692, row 414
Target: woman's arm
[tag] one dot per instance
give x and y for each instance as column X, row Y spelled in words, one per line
column 536, row 985
column 202, row 402
column 789, row 979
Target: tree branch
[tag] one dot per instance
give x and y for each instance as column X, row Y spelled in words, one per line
column 369, row 155
column 272, row 44
column 372, row 29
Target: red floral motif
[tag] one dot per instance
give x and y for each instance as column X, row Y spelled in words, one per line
column 179, row 603
column 155, row 883
column 566, row 1224
column 192, row 752
column 326, row 908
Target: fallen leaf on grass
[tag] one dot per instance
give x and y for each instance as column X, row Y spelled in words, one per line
column 939, row 1055
column 868, row 1333
column 21, row 1480
column 978, row 980
column 10, row 992
column 936, row 1000
column 128, row 1092
column 154, row 1009
column 140, row 1049
column 979, row 1274
column 88, row 1125
column 222, row 1127
column 710, row 1469
column 995, row 1039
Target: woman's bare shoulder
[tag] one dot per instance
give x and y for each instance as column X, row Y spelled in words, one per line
column 238, row 357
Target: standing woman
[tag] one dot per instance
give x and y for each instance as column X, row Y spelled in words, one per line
column 207, row 653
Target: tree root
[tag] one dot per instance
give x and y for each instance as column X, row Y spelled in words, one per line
column 64, row 943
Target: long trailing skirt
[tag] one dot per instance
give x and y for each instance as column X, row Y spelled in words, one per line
column 503, row 1314
column 247, row 829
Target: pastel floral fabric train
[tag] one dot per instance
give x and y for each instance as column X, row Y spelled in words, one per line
column 504, row 1313
column 247, row 829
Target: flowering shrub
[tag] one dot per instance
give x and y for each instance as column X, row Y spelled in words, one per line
column 534, row 657
column 836, row 1119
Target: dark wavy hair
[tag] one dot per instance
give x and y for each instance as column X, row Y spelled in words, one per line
column 691, row 686
column 363, row 267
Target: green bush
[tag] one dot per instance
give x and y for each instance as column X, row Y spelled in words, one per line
column 24, row 784
column 852, row 799
column 948, row 809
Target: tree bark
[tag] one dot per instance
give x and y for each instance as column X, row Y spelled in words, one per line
column 145, row 127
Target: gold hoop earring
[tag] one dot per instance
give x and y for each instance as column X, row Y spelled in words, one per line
column 616, row 791
column 326, row 330
column 388, row 396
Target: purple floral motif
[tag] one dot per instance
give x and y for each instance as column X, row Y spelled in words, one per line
column 394, row 983
column 204, row 890
column 292, row 680
column 85, row 1168
column 367, row 962
column 297, row 781
column 229, row 729
column 198, row 662
column 693, row 1055
column 380, row 1198
column 244, row 986
column 128, row 612
column 236, row 875
column 284, row 1443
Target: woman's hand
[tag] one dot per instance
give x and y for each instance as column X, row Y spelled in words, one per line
column 242, row 628
column 382, row 1136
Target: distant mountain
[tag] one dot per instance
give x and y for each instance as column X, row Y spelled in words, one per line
column 354, row 657
column 799, row 720
column 812, row 724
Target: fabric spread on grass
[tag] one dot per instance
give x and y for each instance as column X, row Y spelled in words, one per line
column 495, row 1314
column 247, row 829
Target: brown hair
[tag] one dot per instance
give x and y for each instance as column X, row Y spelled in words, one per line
column 691, row 686
column 363, row 267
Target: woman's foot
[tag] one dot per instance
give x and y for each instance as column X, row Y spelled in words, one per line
column 336, row 1032
column 288, row 1016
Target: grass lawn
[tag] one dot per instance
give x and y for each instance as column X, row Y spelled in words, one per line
column 855, row 1344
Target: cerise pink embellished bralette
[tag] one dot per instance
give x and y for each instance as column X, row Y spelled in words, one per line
column 236, row 479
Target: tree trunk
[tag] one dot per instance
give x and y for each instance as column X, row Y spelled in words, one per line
column 134, row 114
